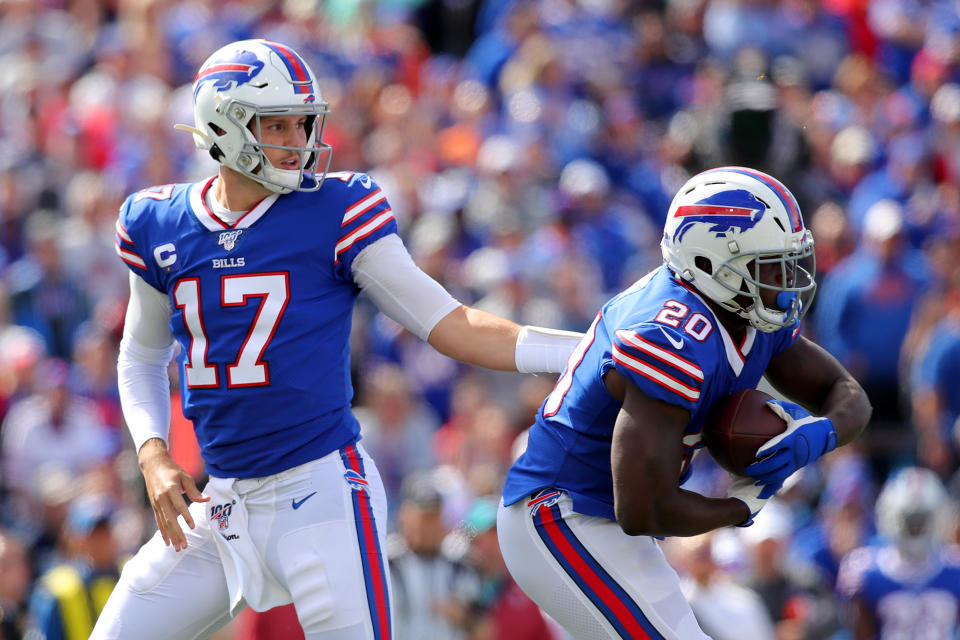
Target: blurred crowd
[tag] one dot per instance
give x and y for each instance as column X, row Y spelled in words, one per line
column 530, row 150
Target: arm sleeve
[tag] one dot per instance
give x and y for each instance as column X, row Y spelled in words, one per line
column 145, row 350
column 399, row 288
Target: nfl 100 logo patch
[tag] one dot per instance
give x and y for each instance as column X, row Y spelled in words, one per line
column 221, row 513
column 228, row 239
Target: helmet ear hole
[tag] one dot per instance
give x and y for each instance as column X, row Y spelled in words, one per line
column 703, row 263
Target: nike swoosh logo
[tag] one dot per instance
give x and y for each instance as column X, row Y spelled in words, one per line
column 296, row 504
column 677, row 344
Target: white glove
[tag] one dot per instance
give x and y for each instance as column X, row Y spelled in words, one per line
column 745, row 490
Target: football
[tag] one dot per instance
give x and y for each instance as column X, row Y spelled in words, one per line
column 737, row 426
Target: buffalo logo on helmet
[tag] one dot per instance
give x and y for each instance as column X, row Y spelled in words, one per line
column 227, row 74
column 724, row 211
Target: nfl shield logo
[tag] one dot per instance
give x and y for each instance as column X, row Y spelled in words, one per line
column 221, row 513
column 228, row 239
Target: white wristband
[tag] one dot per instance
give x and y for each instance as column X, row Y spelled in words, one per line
column 542, row 350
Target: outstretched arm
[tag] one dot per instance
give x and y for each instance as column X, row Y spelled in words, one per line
column 487, row 340
column 387, row 273
column 646, row 456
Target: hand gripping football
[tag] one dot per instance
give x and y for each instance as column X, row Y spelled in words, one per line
column 737, row 426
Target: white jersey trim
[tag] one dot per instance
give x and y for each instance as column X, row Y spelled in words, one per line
column 212, row 222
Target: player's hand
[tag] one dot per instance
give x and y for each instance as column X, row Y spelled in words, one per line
column 749, row 493
column 806, row 438
column 166, row 484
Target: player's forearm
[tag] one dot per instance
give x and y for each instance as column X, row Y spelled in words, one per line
column 848, row 408
column 683, row 513
column 477, row 337
column 487, row 340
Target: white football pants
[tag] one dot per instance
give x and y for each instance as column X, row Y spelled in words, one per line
column 590, row 576
column 312, row 535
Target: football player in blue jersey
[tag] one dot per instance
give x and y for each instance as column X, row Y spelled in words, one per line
column 254, row 273
column 908, row 587
column 613, row 442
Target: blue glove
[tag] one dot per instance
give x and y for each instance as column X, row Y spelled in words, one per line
column 806, row 438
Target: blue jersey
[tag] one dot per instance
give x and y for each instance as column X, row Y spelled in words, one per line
column 907, row 601
column 262, row 312
column 661, row 336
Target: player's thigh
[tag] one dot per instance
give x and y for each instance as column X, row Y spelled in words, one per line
column 168, row 595
column 335, row 566
column 591, row 577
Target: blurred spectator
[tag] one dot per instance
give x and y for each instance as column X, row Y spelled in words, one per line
column 865, row 304
column 724, row 609
column 842, row 521
column 15, row 573
column 899, row 28
column 501, row 609
column 935, row 391
column 834, row 238
column 911, row 571
column 767, row 542
column 52, row 429
column 397, row 428
column 44, row 296
column 69, row 597
column 599, row 230
column 906, row 173
column 430, row 579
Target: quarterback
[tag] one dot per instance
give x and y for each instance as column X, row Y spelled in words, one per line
column 254, row 273
column 613, row 442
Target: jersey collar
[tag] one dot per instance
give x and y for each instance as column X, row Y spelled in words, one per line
column 200, row 209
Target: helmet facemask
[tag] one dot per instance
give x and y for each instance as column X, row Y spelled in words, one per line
column 252, row 161
column 790, row 275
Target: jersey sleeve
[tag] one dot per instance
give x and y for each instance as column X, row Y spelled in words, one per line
column 366, row 218
column 131, row 241
column 661, row 362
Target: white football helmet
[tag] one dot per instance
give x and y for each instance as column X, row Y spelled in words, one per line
column 724, row 225
column 240, row 84
column 911, row 510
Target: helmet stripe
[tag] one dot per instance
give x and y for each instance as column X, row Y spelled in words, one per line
column 302, row 82
column 219, row 68
column 789, row 202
